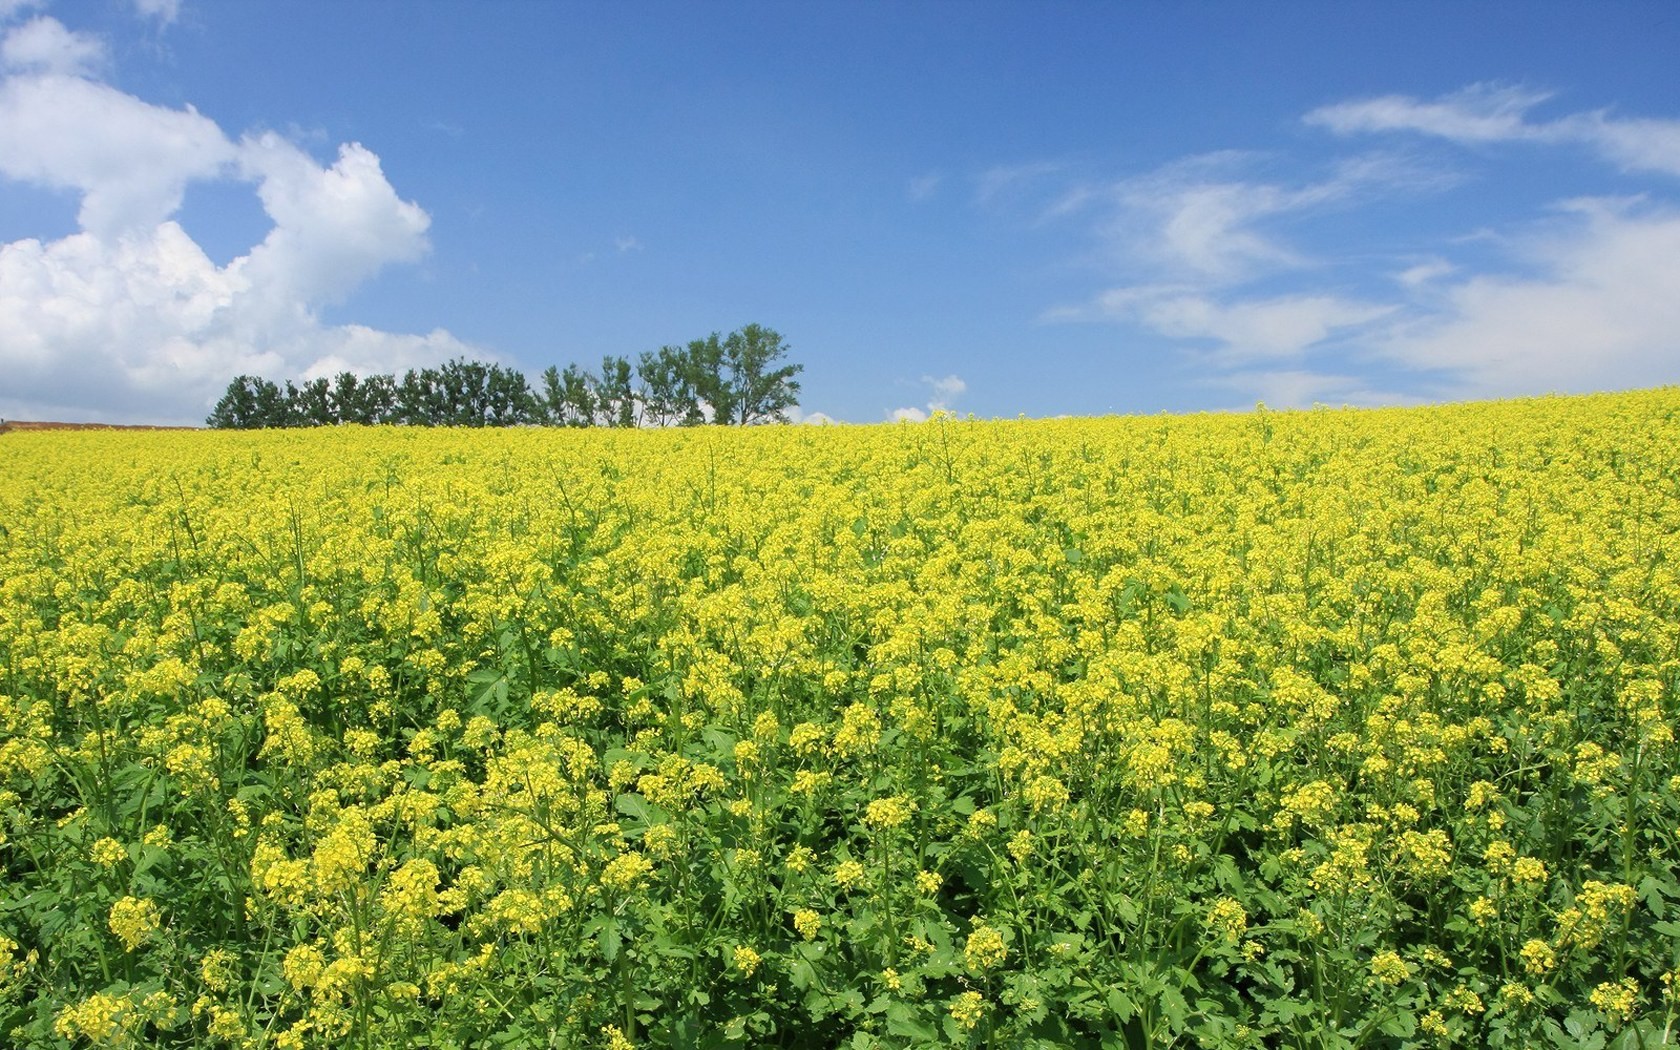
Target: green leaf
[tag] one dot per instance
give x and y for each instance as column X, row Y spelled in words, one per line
column 1122, row 1005
column 902, row 1020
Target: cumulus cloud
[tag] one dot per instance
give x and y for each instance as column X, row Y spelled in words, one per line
column 944, row 392
column 1487, row 113
column 128, row 318
column 44, row 45
column 799, row 416
column 130, row 161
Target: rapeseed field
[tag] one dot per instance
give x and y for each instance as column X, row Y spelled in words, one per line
column 1313, row 729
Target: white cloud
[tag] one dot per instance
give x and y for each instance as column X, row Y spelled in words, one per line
column 9, row 9
column 923, row 187
column 1424, row 272
column 1588, row 300
column 798, row 415
column 1202, row 220
column 333, row 227
column 1245, row 330
column 147, row 328
column 1485, row 113
column 1601, row 310
column 1479, row 113
column 1303, row 388
column 944, row 392
column 131, row 161
column 1005, row 179
column 627, row 244
column 44, row 45
column 129, row 319
column 165, row 11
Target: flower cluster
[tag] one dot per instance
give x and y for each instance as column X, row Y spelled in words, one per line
column 1067, row 732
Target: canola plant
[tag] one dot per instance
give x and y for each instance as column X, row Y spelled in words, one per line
column 1313, row 729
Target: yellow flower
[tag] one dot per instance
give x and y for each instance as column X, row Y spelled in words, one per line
column 1388, row 968
column 216, row 969
column 1227, row 919
column 848, row 874
column 746, row 960
column 625, row 871
column 807, row 922
column 108, row 853
column 800, row 859
column 104, row 1020
column 1464, row 1001
column 1483, row 911
column 1618, row 1000
column 885, row 813
column 134, row 920
column 985, row 949
column 927, row 883
column 1538, row 957
column 967, row 1009
column 303, row 966
column 1021, row 846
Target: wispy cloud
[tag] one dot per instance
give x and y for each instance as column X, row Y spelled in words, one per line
column 1489, row 113
column 1587, row 298
column 923, row 187
column 1208, row 219
column 1241, row 330
column 1597, row 306
column 165, row 11
column 1007, row 180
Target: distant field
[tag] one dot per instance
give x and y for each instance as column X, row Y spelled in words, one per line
column 24, row 424
column 1308, row 729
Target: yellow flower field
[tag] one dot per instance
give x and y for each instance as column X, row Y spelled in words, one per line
column 1318, row 729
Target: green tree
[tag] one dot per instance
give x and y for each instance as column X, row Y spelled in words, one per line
column 673, row 384
column 567, row 399
column 616, row 403
column 310, row 405
column 367, row 401
column 759, row 391
column 462, row 393
column 250, row 403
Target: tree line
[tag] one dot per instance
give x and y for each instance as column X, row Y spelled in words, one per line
column 740, row 378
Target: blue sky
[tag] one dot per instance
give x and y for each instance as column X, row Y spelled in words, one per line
column 1023, row 208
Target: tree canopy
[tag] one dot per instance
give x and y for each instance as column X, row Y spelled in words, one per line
column 742, row 378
